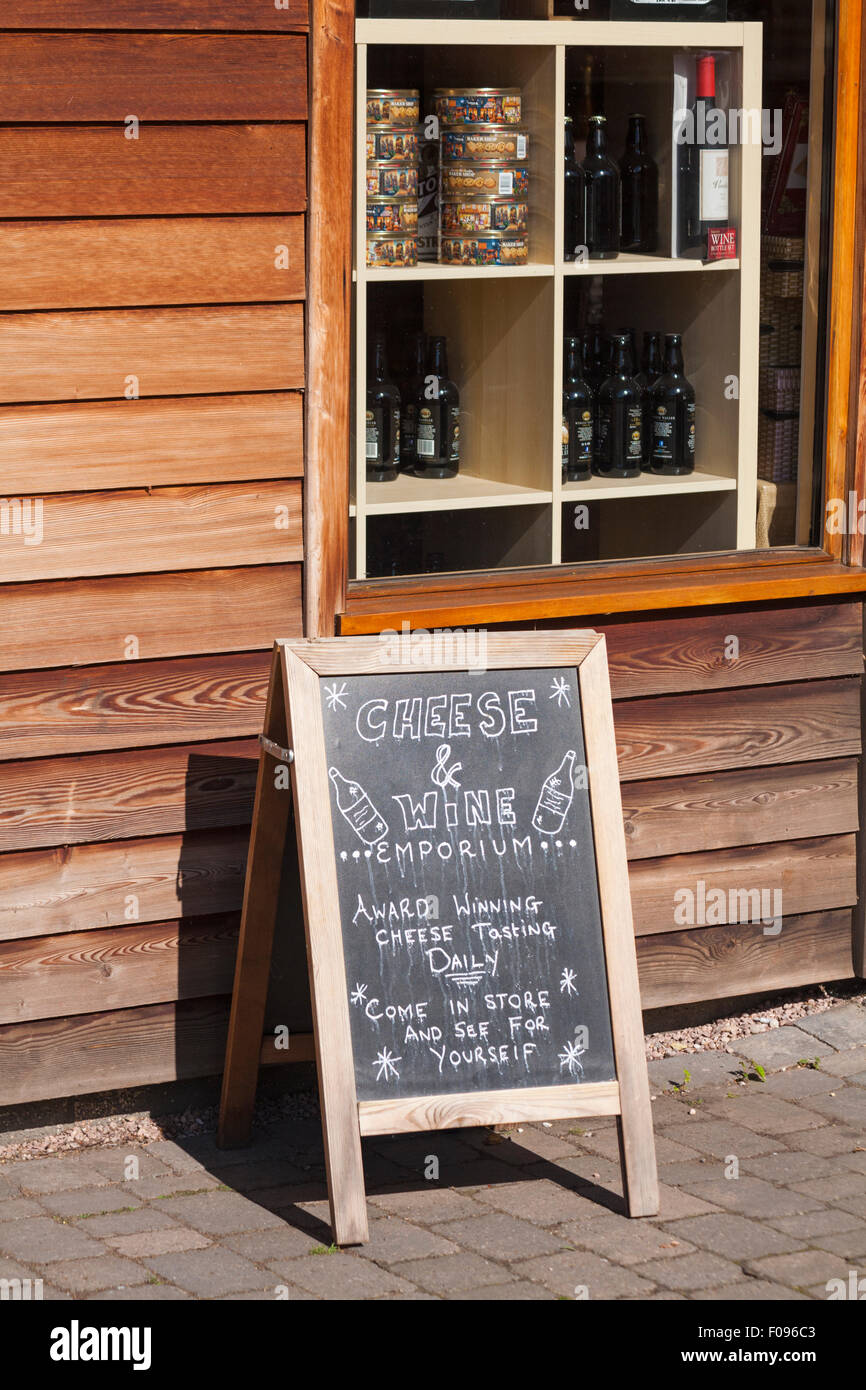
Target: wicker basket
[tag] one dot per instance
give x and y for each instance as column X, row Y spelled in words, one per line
column 781, row 331
column 782, row 267
column 778, row 437
column 780, row 389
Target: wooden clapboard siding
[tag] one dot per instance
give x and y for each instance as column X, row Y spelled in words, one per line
column 90, row 263
column 722, row 809
column 155, row 14
column 196, row 611
column 124, row 532
column 156, row 77
column 133, row 704
column 76, row 888
column 797, row 643
column 723, row 962
column 148, row 963
column 110, row 796
column 92, row 171
column 669, row 736
column 84, row 354
column 807, row 875
column 101, row 445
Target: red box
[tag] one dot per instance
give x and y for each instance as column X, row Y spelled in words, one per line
column 722, row 244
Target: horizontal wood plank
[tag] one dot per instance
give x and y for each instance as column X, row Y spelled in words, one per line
column 155, row 77
column 740, row 647
column 97, row 262
column 721, row 962
column 92, row 171
column 133, row 704
column 169, row 528
column 100, row 445
column 154, row 14
column 149, row 963
column 668, row 736
column 195, row 611
column 759, row 884
column 87, row 354
column 680, row 814
column 76, row 888
column 111, row 796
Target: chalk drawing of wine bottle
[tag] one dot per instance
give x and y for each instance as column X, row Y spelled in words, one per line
column 556, row 796
column 355, row 806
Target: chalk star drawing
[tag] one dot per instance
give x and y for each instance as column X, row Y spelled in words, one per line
column 561, row 692
column 385, row 1063
column 567, row 982
column 570, row 1058
column 336, row 698
column 359, row 994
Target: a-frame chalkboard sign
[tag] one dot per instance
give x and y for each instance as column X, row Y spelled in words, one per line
column 462, row 856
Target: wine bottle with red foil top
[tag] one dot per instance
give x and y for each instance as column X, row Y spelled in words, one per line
column 703, row 167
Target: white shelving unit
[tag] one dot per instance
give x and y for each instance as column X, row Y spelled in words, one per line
column 505, row 325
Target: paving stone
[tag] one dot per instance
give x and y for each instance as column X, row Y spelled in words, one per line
column 593, row 1171
column 569, row 1273
column 833, row 1139
column 127, row 1223
column 263, row 1247
column 800, row 1269
column 341, row 1276
column 627, row 1242
column 675, row 1202
column 855, row 1205
column 56, row 1174
column 754, row 1197
column 10, row 1269
column 704, row 1067
column 788, row 1167
column 825, row 1222
column 149, row 1189
column 781, row 1047
column 697, row 1170
column 751, row 1291
column 518, row 1292
column 845, row 1063
column 542, row 1201
column 221, row 1213
column 839, row 1185
column 533, row 1144
column 209, row 1272
column 428, row 1204
column 720, row 1138
column 412, row 1152
column 175, row 1156
column 40, row 1239
column 150, row 1293
column 850, row 1245
column 164, row 1242
column 450, row 1274
column 89, row 1201
column 280, row 1293
column 848, row 1105
column 252, row 1177
column 13, row 1208
column 858, row 1079
column 88, row 1276
column 392, row 1240
column 127, row 1166
column 842, row 1028
column 735, row 1237
column 501, row 1237
column 856, row 1160
column 693, row 1272
column 802, row 1082
column 766, row 1114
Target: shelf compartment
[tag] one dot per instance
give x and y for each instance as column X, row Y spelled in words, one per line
column 408, row 494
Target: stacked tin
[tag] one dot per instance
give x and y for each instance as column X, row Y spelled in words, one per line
column 484, row 176
column 393, row 138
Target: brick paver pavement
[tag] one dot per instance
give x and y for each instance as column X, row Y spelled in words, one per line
column 763, row 1197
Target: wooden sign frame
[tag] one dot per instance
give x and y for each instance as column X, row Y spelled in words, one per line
column 294, row 715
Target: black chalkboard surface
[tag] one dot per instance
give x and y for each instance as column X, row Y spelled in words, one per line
column 467, row 881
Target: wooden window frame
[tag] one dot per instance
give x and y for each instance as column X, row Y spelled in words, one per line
column 333, row 603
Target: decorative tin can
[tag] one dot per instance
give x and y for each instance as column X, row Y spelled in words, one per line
column 393, row 106
column 478, row 105
column 392, row 215
column 488, row 248
column 395, row 145
column 484, row 214
column 386, row 180
column 386, row 249
column 495, row 179
column 485, row 142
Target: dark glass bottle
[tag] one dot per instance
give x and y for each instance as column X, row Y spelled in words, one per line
column 601, row 196
column 673, row 414
column 651, row 369
column 409, row 390
column 437, row 418
column 573, row 187
column 383, row 416
column 577, row 417
column 620, row 417
column 639, row 177
column 702, row 172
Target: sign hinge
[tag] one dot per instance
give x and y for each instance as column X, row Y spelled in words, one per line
column 283, row 755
